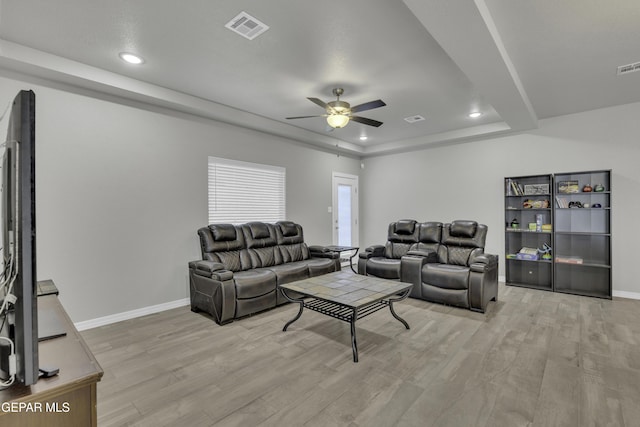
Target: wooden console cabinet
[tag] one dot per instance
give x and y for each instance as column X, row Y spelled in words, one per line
column 67, row 399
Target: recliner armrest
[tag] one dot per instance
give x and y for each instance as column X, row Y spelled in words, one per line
column 214, row 270
column 483, row 262
column 430, row 256
column 323, row 252
column 372, row 251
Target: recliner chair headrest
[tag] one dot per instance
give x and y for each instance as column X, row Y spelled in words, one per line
column 288, row 228
column 223, row 232
column 405, row 226
column 259, row 230
column 463, row 228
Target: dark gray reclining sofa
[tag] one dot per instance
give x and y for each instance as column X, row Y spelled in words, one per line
column 242, row 264
column 445, row 262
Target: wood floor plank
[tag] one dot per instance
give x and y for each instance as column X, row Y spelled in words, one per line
column 534, row 359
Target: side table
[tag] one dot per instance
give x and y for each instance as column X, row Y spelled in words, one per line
column 339, row 249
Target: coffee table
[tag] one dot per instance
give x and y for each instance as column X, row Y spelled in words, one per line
column 346, row 296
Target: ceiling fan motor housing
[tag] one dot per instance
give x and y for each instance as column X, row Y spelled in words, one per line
column 338, row 107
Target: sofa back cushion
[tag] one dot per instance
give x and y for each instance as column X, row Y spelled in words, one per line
column 429, row 236
column 290, row 241
column 402, row 236
column 461, row 240
column 224, row 243
column 261, row 244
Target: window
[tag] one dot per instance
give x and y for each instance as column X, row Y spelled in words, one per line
column 241, row 192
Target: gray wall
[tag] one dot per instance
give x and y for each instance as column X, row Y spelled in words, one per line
column 121, row 192
column 465, row 181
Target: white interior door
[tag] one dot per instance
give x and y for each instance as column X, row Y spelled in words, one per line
column 345, row 209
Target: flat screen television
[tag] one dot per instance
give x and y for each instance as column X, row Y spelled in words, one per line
column 19, row 321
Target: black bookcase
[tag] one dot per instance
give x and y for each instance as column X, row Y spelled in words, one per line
column 582, row 257
column 558, row 232
column 528, row 217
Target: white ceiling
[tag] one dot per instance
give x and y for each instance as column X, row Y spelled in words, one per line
column 514, row 60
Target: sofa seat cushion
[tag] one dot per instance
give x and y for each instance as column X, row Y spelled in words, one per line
column 446, row 276
column 320, row 266
column 385, row 268
column 290, row 272
column 254, row 283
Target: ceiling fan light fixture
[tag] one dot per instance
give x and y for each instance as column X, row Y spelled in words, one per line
column 337, row 121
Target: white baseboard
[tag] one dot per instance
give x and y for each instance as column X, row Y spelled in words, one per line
column 625, row 294
column 118, row 317
column 619, row 294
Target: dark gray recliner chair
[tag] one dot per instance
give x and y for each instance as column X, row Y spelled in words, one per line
column 384, row 261
column 458, row 273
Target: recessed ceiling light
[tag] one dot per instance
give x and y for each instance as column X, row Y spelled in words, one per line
column 363, row 138
column 475, row 114
column 131, row 58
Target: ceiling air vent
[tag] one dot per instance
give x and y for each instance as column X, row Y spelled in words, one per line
column 413, row 119
column 630, row 68
column 247, row 26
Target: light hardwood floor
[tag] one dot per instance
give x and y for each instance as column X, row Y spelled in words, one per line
column 535, row 359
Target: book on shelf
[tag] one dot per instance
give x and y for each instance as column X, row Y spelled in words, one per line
column 562, row 202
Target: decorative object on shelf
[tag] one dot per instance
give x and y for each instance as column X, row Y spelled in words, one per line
column 587, row 188
column 515, row 223
column 596, row 205
column 545, row 252
column 567, row 187
column 535, row 204
column 569, row 259
column 532, row 226
column 599, row 188
column 575, row 204
column 547, row 227
column 533, row 189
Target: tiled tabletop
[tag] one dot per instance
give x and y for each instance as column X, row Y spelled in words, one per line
column 346, row 288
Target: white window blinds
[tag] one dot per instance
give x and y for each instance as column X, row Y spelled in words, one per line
column 241, row 192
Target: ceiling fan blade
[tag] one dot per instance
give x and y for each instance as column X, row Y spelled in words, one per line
column 319, row 102
column 366, row 121
column 301, row 117
column 368, row 106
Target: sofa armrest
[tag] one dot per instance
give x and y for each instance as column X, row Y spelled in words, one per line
column 211, row 269
column 372, row 251
column 411, row 272
column 212, row 290
column 483, row 262
column 429, row 256
column 323, row 252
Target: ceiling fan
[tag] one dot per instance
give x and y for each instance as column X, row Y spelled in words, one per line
column 339, row 113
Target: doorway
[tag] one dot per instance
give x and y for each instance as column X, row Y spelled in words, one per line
column 345, row 209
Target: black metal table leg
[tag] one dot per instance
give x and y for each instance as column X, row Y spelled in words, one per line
column 299, row 301
column 393, row 312
column 351, row 261
column 354, row 344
